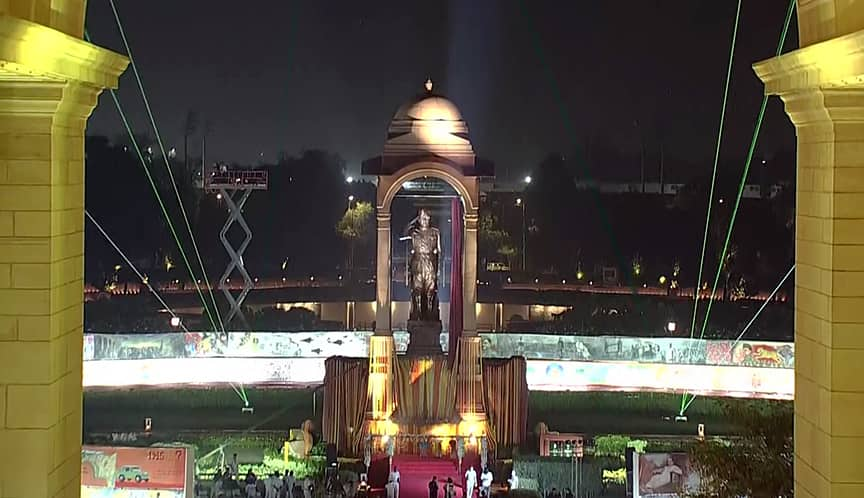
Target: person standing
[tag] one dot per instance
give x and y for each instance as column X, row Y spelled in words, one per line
column 485, row 483
column 450, row 489
column 363, row 487
column 234, row 466
column 250, row 484
column 216, row 489
column 288, row 484
column 514, row 480
column 433, row 487
column 394, row 478
column 272, row 485
column 307, row 487
column 470, row 482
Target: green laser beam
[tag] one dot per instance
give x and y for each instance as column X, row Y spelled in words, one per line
column 752, row 149
column 696, row 289
column 752, row 320
column 162, row 207
column 744, row 174
column 244, row 432
column 165, row 214
column 141, row 277
column 167, row 165
column 157, row 195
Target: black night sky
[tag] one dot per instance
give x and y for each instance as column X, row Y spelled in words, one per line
column 530, row 77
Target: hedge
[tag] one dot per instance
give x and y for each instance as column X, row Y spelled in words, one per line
column 544, row 473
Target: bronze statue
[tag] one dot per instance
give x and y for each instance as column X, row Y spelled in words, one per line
column 423, row 267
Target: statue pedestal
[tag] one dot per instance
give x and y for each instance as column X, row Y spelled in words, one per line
column 425, row 338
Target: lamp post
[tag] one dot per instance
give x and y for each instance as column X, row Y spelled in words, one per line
column 350, row 244
column 521, row 204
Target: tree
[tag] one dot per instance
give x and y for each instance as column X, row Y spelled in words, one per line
column 758, row 464
column 729, row 268
column 354, row 227
column 494, row 240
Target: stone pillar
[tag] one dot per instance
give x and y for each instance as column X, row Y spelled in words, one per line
column 469, row 275
column 382, row 350
column 49, row 84
column 820, row 87
column 383, row 310
column 470, row 368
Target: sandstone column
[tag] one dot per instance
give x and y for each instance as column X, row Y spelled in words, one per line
column 469, row 274
column 821, row 87
column 381, row 347
column 49, row 83
column 470, row 390
column 383, row 311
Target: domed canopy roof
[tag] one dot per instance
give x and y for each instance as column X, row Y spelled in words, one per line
column 428, row 129
column 429, row 124
column 429, row 107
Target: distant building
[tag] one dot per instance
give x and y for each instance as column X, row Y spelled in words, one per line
column 752, row 191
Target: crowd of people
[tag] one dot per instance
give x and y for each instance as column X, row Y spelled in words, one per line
column 227, row 484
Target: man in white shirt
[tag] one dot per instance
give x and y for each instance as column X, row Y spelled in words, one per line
column 470, row 482
column 394, row 478
column 514, row 480
column 485, row 483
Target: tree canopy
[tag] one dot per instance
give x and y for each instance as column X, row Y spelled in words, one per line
column 758, row 464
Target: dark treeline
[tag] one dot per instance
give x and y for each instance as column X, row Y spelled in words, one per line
column 570, row 230
column 293, row 223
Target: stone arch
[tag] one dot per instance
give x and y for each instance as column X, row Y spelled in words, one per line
column 466, row 187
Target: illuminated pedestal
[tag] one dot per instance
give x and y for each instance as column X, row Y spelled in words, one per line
column 425, row 338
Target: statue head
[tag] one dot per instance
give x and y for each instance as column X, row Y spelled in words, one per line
column 424, row 217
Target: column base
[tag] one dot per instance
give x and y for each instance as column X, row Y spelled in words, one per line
column 381, row 355
column 469, row 396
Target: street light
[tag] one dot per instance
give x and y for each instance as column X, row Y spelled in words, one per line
column 527, row 179
column 671, row 327
column 350, row 200
column 521, row 204
column 175, row 321
column 349, row 179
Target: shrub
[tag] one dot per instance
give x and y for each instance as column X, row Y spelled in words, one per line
column 544, row 473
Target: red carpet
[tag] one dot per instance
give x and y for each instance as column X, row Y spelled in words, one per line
column 416, row 472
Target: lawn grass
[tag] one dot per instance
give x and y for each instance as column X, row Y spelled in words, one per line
column 631, row 413
column 278, row 409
